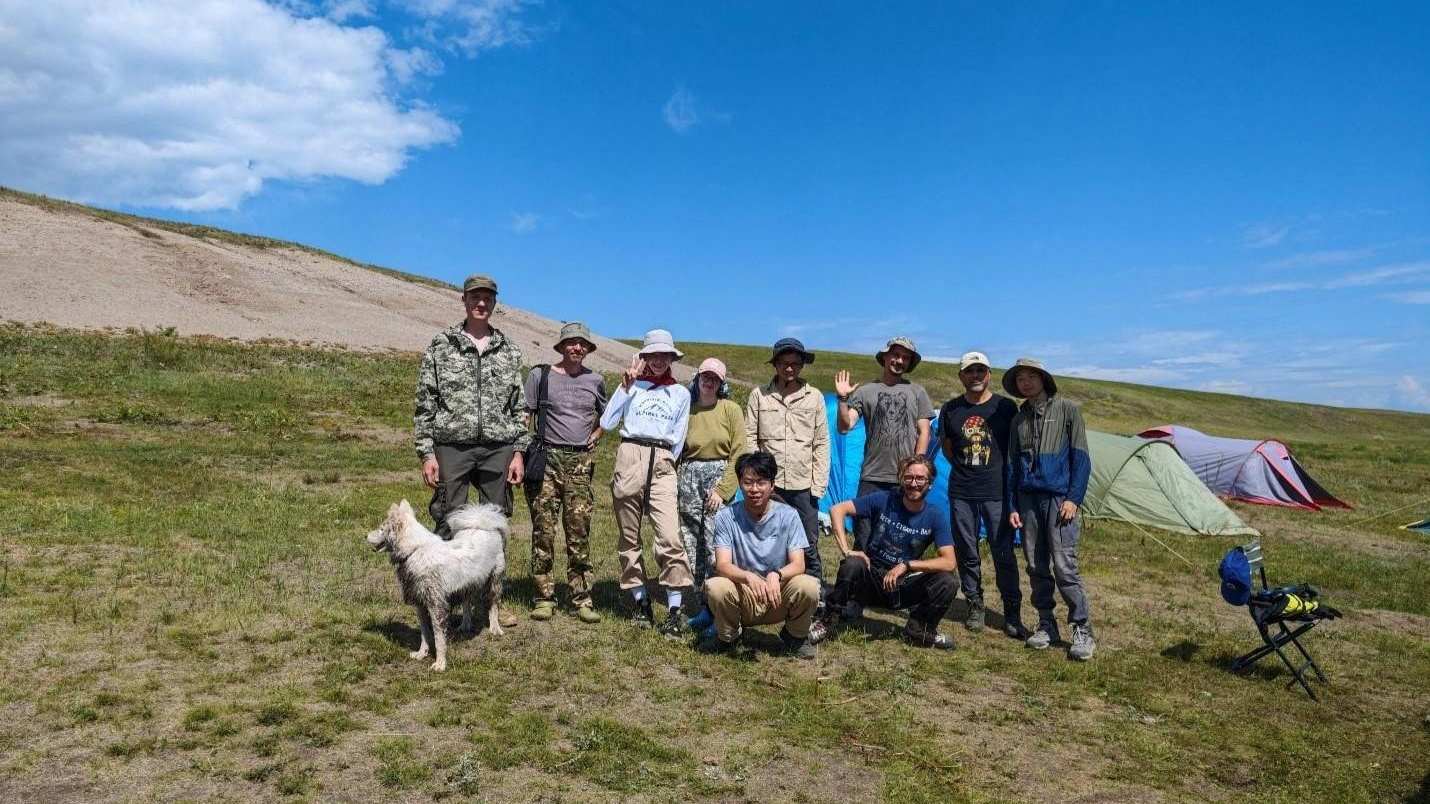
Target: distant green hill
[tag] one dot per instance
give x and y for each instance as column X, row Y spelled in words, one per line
column 1342, row 447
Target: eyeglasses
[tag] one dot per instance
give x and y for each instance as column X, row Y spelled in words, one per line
column 974, row 370
column 915, row 481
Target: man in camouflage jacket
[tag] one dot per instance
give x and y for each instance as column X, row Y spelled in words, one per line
column 469, row 421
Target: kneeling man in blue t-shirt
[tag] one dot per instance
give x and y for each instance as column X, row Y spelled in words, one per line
column 759, row 564
column 891, row 572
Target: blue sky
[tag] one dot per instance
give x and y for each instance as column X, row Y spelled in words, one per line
column 1220, row 196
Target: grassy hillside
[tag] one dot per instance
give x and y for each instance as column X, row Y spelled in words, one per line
column 191, row 615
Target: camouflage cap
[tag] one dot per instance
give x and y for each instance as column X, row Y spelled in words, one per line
column 479, row 282
column 574, row 330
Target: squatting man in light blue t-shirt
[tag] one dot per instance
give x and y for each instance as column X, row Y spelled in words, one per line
column 759, row 565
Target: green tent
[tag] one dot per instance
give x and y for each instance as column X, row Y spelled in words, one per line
column 1147, row 482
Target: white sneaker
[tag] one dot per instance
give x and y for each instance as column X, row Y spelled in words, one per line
column 1043, row 637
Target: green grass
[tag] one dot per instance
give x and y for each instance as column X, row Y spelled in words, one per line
column 191, row 614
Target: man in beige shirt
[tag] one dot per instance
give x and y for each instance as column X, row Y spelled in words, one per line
column 786, row 418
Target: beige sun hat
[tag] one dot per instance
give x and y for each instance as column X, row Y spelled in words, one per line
column 1010, row 377
column 659, row 341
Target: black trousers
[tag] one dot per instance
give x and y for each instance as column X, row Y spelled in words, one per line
column 808, row 507
column 927, row 595
column 461, row 466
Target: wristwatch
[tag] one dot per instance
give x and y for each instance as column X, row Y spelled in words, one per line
column 907, row 566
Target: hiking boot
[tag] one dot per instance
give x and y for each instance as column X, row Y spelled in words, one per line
column 505, row 618
column 673, row 626
column 798, row 647
column 1083, row 645
column 1046, row 635
column 922, row 636
column 1013, row 624
column 543, row 610
column 853, row 610
column 644, row 615
column 823, row 628
column 588, row 615
column 976, row 613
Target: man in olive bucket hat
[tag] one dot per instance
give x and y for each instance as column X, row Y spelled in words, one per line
column 467, row 421
column 1048, row 470
column 896, row 416
column 571, row 400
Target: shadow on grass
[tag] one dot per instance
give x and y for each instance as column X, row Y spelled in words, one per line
column 1183, row 651
column 1421, row 796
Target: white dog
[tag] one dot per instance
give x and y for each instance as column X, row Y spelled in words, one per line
column 435, row 573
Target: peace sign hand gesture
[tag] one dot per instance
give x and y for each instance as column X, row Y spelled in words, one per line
column 635, row 370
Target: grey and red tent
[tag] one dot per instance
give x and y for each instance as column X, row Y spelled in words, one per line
column 1261, row 472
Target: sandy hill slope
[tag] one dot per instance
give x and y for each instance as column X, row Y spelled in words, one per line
column 76, row 266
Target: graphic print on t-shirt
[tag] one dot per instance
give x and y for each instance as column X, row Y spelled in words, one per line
column 893, row 423
column 977, row 442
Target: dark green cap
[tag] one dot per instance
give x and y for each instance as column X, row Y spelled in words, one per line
column 479, row 282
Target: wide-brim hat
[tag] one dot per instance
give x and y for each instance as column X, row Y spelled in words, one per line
column 574, row 330
column 1010, row 377
column 907, row 343
column 791, row 345
column 659, row 341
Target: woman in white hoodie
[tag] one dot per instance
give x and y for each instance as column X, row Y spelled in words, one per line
column 653, row 411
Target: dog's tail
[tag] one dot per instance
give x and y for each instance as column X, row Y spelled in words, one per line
column 483, row 516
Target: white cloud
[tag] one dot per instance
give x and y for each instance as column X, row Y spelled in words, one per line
column 1264, row 235
column 679, row 111
column 1412, row 393
column 1328, row 257
column 1237, row 387
column 1383, row 275
column 682, row 113
column 523, row 222
column 1410, row 297
column 195, row 104
column 587, row 208
column 471, row 26
column 1149, row 375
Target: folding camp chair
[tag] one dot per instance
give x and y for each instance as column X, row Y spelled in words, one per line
column 1271, row 610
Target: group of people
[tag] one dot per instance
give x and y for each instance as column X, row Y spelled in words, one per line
column 685, row 450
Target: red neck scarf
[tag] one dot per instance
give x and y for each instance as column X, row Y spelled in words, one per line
column 664, row 379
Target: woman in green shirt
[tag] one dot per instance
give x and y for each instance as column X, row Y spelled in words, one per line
column 706, row 479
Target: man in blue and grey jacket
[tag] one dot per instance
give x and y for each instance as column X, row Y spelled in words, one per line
column 1048, row 470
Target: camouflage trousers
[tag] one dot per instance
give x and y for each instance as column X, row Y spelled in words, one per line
column 565, row 498
column 693, row 484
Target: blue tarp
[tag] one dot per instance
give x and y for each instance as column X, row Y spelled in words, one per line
column 846, row 453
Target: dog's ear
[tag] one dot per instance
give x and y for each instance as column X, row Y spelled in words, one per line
column 405, row 507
